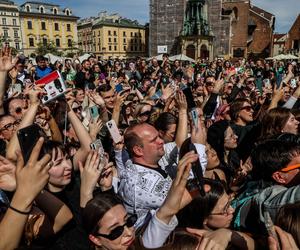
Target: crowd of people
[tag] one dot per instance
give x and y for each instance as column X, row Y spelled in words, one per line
column 147, row 154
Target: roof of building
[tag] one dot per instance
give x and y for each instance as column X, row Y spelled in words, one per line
column 123, row 22
column 295, row 23
column 279, row 38
column 7, row 2
column 262, row 13
column 48, row 8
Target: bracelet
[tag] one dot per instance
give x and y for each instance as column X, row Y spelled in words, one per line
column 19, row 211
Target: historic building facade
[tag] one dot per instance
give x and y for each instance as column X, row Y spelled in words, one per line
column 196, row 38
column 44, row 23
column 111, row 36
column 10, row 31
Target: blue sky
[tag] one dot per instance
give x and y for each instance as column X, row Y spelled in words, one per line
column 285, row 11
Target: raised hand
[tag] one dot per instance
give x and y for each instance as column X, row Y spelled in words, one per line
column 95, row 127
column 96, row 98
column 178, row 197
column 32, row 178
column 106, row 177
column 89, row 175
column 7, row 62
column 181, row 101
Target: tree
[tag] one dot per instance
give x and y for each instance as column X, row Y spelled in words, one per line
column 49, row 47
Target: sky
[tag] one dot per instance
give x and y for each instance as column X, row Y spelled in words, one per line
column 286, row 11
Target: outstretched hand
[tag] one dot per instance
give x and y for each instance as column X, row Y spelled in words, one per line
column 178, row 197
column 7, row 62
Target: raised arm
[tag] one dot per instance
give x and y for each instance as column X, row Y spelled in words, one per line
column 31, row 179
column 27, row 120
column 6, row 64
column 182, row 130
column 82, row 134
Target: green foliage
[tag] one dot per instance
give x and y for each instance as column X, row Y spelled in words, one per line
column 50, row 47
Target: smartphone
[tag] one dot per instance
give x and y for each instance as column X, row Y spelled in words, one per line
column 94, row 112
column 189, row 98
column 195, row 185
column 16, row 88
column 195, row 117
column 28, row 137
column 270, row 227
column 97, row 146
column 293, row 83
column 119, row 88
column 114, row 131
column 157, row 95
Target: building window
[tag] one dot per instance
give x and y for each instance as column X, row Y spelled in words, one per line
column 115, row 33
column 4, row 21
column 5, row 33
column 17, row 45
column 131, row 34
column 68, row 27
column 67, row 12
column 29, row 25
column 69, row 43
column 109, row 33
column 56, row 26
column 28, row 8
column 124, row 40
column 124, row 33
column 14, row 22
column 16, row 33
column 44, row 41
column 115, row 47
column 115, row 40
column 31, row 42
column 109, row 47
column 57, row 42
column 42, row 10
column 54, row 11
column 109, row 39
column 124, row 48
column 43, row 25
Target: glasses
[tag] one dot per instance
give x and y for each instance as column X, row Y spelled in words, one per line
column 10, row 125
column 251, row 81
column 247, row 108
column 226, row 208
column 118, row 231
column 289, row 168
column 209, row 83
column 146, row 113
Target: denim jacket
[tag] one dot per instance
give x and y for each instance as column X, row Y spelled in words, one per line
column 260, row 196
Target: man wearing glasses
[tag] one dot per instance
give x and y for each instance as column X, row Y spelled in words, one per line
column 8, row 125
column 276, row 172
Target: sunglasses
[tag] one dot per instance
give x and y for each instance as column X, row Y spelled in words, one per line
column 251, row 81
column 10, row 125
column 289, row 168
column 247, row 108
column 118, row 231
column 146, row 113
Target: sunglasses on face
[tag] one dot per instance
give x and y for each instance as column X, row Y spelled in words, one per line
column 146, row 113
column 10, row 125
column 250, row 82
column 118, row 231
column 289, row 168
column 247, row 108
